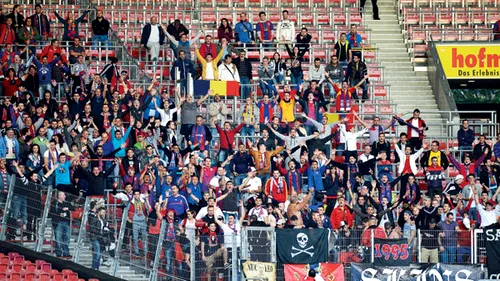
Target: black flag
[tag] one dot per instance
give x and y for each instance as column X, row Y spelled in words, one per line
column 391, row 252
column 492, row 243
column 302, row 246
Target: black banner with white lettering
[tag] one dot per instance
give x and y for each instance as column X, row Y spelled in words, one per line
column 302, row 246
column 391, row 252
column 416, row 272
column 492, row 243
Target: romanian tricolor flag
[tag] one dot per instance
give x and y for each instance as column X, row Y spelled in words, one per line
column 221, row 88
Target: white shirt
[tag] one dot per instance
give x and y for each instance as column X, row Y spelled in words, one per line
column 286, row 28
column 228, row 234
column 342, row 137
column 228, row 72
column 209, row 72
column 260, row 212
column 363, row 158
column 215, row 180
column 254, row 184
column 165, row 116
column 10, row 148
column 351, row 138
column 154, row 36
column 488, row 217
column 204, row 211
column 414, row 133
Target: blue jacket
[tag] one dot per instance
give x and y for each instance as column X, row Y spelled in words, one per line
column 244, row 32
column 465, row 138
column 314, row 178
column 185, row 67
column 3, row 147
column 118, row 142
column 45, row 71
column 146, row 31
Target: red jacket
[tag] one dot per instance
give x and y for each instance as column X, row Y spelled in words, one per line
column 7, row 35
column 339, row 214
column 208, row 49
column 378, row 232
column 271, row 189
column 8, row 88
column 421, row 124
column 226, row 136
column 49, row 51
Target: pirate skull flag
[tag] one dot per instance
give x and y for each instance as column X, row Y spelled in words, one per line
column 302, row 246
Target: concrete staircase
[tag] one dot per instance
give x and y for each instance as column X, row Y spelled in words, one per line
column 409, row 89
column 129, row 270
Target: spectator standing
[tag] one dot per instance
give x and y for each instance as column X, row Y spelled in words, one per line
column 429, row 245
column 357, row 72
column 185, row 68
column 71, row 25
column 343, row 50
column 243, row 31
column 183, row 44
column 177, row 29
column 465, row 136
column 442, row 160
column 228, row 71
column 138, row 214
column 480, row 148
column 303, row 40
column 209, row 64
column 208, row 47
column 152, row 37
column 335, row 72
column 317, row 72
column 28, row 35
column 225, row 30
column 244, row 68
column 41, row 22
column 99, row 230
column 355, row 40
column 266, row 78
column 249, row 115
column 416, row 127
column 60, row 211
column 448, row 239
column 496, row 147
column 7, row 33
column 496, row 30
column 285, row 30
column 100, row 30
column 16, row 16
column 45, row 73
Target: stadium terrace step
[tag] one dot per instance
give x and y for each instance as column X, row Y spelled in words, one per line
column 407, row 87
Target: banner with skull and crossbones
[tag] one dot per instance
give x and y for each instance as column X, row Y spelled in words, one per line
column 299, row 246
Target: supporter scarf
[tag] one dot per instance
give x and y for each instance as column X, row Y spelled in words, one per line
column 41, row 24
column 385, row 191
column 278, row 183
column 170, row 235
column 71, row 33
column 413, row 192
column 198, row 136
column 294, row 175
column 213, row 240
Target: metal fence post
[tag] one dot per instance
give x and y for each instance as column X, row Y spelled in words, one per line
column 234, row 258
column 7, row 208
column 83, row 230
column 192, row 250
column 419, row 239
column 43, row 223
column 114, row 266
column 273, row 246
column 372, row 245
column 153, row 276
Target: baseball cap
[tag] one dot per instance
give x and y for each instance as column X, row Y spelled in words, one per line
column 252, row 169
column 459, row 177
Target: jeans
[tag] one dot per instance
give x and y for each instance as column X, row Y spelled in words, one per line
column 98, row 39
column 449, row 255
column 20, row 208
column 215, row 135
column 62, row 239
column 169, row 248
column 268, row 89
column 245, row 87
column 473, row 213
column 140, row 227
column 247, row 130
column 463, row 253
column 363, row 86
column 45, row 87
column 96, row 254
column 296, row 80
column 223, row 154
column 238, row 180
column 340, row 149
column 278, row 78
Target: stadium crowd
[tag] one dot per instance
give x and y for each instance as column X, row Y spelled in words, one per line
column 272, row 166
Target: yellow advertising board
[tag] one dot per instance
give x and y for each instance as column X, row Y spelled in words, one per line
column 471, row 61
